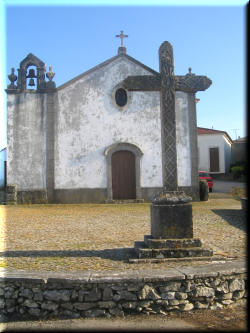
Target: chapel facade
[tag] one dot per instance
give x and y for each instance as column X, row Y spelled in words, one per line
column 92, row 139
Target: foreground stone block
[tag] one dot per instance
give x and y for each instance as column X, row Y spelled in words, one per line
column 148, row 293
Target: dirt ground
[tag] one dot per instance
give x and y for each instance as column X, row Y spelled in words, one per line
column 233, row 318
column 227, row 319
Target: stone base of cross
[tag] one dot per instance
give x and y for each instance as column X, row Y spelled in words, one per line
column 171, row 215
column 171, row 231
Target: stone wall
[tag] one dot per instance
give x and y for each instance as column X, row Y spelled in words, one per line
column 92, row 294
column 32, row 197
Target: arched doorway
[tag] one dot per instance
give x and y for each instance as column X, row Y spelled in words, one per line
column 134, row 163
column 123, row 175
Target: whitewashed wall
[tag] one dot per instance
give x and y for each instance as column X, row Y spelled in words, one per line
column 89, row 121
column 183, row 139
column 26, row 140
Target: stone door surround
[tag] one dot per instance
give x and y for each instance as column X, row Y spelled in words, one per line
column 138, row 154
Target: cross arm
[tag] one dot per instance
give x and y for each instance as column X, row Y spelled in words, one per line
column 191, row 83
column 143, row 83
column 187, row 83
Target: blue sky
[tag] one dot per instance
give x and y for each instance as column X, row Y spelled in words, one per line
column 72, row 37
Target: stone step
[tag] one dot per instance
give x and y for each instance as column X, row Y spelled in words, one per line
column 124, row 201
column 140, row 244
column 171, row 243
column 161, row 253
column 157, row 260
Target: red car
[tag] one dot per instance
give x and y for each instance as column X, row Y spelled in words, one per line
column 205, row 175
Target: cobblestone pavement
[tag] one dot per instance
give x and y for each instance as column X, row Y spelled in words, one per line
column 222, row 186
column 101, row 237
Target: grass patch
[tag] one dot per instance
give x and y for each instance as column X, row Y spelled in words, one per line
column 238, row 193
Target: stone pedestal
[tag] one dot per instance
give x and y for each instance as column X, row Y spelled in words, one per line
column 171, row 230
column 11, row 194
column 171, row 221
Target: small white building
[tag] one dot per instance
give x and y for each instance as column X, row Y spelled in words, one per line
column 214, row 150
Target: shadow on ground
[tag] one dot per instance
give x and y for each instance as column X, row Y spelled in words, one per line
column 117, row 254
column 235, row 217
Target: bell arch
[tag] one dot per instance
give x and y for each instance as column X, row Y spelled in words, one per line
column 124, row 146
column 38, row 74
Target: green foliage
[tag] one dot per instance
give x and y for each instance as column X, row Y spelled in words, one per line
column 237, row 171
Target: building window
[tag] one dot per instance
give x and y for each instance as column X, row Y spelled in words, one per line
column 121, row 97
column 214, row 159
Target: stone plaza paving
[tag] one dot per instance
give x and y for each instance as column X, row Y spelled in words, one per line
column 101, row 237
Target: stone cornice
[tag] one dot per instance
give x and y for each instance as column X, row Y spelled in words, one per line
column 31, row 91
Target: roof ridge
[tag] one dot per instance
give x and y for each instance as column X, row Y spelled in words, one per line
column 210, row 130
column 104, row 63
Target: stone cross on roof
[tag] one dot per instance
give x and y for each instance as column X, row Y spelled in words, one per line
column 121, row 36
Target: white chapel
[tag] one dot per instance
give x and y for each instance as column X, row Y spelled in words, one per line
column 91, row 139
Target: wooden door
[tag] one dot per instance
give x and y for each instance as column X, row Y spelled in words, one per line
column 123, row 175
column 214, row 159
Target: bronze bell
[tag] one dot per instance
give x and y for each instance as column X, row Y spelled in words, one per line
column 31, row 73
column 31, row 82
